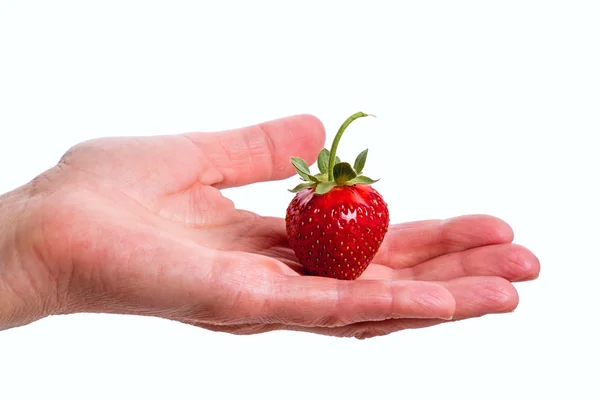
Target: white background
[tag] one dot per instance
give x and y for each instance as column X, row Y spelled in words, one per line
column 483, row 107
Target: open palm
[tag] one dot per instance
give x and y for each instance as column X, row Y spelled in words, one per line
column 139, row 225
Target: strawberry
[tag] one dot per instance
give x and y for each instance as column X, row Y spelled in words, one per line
column 337, row 221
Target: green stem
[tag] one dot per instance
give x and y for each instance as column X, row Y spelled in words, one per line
column 337, row 138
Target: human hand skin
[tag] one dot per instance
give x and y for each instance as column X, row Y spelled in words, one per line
column 138, row 225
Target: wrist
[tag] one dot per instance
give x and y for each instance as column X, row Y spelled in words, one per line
column 24, row 289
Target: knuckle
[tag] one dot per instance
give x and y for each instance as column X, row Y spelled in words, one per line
column 80, row 149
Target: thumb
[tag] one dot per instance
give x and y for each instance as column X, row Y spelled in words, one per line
column 261, row 152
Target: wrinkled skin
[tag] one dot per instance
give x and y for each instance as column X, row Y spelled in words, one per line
column 139, row 226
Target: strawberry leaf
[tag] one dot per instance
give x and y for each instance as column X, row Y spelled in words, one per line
column 359, row 163
column 306, row 177
column 300, row 165
column 323, row 161
column 343, row 172
column 362, row 180
column 324, row 187
column 300, row 187
column 302, row 169
column 337, row 160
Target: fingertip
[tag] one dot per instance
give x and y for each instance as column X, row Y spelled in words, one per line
column 497, row 295
column 312, row 132
column 301, row 135
column 505, row 295
column 484, row 228
column 532, row 265
column 479, row 295
column 311, row 123
column 503, row 232
column 523, row 265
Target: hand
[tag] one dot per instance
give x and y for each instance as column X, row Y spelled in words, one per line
column 139, row 226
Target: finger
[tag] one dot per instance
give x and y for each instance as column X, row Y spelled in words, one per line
column 475, row 297
column 326, row 302
column 412, row 243
column 510, row 261
column 480, row 295
column 260, row 152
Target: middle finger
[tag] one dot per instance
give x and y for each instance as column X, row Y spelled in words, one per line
column 510, row 261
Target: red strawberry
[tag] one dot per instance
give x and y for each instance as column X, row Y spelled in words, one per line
column 336, row 221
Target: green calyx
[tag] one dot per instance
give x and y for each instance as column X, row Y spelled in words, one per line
column 332, row 171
